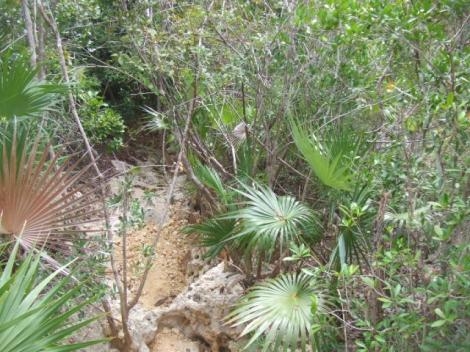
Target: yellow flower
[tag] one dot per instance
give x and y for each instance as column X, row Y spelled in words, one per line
column 390, row 87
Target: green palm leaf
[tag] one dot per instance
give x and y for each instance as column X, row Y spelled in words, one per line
column 269, row 219
column 353, row 243
column 210, row 178
column 282, row 310
column 213, row 233
column 326, row 163
column 34, row 315
column 21, row 94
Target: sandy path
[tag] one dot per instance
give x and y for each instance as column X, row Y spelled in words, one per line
column 167, row 276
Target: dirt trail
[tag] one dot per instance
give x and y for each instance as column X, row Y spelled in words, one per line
column 167, row 276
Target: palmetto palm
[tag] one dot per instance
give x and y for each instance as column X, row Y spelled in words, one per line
column 39, row 203
column 213, row 234
column 33, row 316
column 329, row 161
column 269, row 220
column 283, row 310
column 40, row 207
column 21, row 94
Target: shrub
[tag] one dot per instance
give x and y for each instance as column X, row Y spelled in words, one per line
column 103, row 124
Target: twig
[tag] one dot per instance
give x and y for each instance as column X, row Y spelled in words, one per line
column 73, row 106
column 166, row 208
column 53, row 24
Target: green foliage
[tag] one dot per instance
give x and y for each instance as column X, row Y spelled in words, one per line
column 269, row 220
column 215, row 234
column 283, row 310
column 380, row 95
column 21, row 94
column 448, row 294
column 211, row 179
column 431, row 315
column 299, row 252
column 156, row 121
column 103, row 124
column 35, row 313
column 353, row 242
column 328, row 162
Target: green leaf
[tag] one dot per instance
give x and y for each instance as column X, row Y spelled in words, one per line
column 34, row 314
column 440, row 313
column 368, row 281
column 21, row 94
column 438, row 231
column 384, row 299
column 283, row 310
column 438, row 323
column 328, row 167
column 214, row 233
column 269, row 219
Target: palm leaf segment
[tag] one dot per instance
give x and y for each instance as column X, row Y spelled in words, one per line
column 214, row 233
column 38, row 202
column 268, row 219
column 327, row 165
column 280, row 309
column 21, row 94
column 34, row 316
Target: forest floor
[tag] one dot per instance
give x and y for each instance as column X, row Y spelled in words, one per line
column 167, row 277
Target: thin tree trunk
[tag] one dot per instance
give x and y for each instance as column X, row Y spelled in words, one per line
column 40, row 46
column 50, row 20
column 29, row 31
column 63, row 65
column 375, row 310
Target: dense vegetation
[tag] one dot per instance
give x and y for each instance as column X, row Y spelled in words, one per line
column 327, row 141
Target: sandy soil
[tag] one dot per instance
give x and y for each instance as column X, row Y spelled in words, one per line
column 171, row 340
column 167, row 276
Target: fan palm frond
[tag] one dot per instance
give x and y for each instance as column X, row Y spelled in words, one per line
column 349, row 247
column 21, row 94
column 270, row 219
column 282, row 310
column 210, row 178
column 34, row 316
column 213, row 233
column 326, row 162
column 246, row 159
column 39, row 199
column 155, row 121
column 353, row 243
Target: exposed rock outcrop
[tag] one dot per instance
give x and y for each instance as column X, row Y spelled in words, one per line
column 198, row 312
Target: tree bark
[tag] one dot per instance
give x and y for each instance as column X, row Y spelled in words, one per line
column 29, row 31
column 40, row 47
